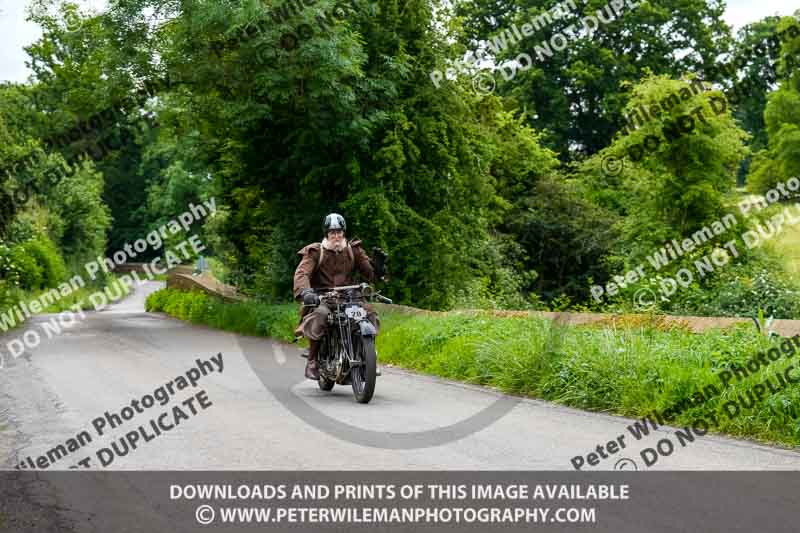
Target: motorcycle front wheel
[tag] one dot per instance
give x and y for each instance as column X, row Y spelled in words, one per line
column 363, row 375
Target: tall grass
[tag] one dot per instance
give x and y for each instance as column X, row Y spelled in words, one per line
column 626, row 371
column 248, row 318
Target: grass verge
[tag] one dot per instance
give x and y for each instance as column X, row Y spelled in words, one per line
column 79, row 298
column 629, row 370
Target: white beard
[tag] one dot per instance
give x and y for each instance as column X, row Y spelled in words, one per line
column 328, row 245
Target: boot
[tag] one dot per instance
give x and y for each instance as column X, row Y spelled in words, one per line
column 312, row 372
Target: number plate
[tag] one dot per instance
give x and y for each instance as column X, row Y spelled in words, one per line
column 356, row 313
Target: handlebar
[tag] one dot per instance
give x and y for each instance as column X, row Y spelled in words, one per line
column 346, row 287
column 334, row 292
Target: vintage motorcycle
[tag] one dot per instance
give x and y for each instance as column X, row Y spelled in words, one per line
column 347, row 353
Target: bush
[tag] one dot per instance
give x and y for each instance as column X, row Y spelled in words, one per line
column 20, row 269
column 563, row 238
column 743, row 289
column 763, row 173
column 9, row 294
column 740, row 288
column 46, row 255
column 84, row 219
column 32, row 265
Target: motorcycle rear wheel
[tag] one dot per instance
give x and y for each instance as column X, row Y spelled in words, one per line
column 323, row 382
column 363, row 376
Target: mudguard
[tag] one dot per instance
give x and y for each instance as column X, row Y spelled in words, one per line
column 367, row 329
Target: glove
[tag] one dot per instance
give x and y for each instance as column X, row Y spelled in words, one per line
column 379, row 261
column 309, row 297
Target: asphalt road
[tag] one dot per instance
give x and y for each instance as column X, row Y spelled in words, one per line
column 251, row 410
column 263, row 415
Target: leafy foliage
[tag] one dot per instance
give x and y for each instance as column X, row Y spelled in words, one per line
column 153, row 105
column 247, row 318
column 575, row 94
column 678, row 185
column 781, row 159
column 33, row 264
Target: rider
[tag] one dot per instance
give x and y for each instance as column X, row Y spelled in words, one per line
column 327, row 264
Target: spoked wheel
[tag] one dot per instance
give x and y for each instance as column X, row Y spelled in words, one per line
column 363, row 376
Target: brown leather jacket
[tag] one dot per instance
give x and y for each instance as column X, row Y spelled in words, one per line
column 336, row 269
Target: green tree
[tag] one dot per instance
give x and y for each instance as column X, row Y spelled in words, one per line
column 574, row 95
column 758, row 74
column 677, row 168
column 85, row 219
column 88, row 73
column 347, row 121
column 781, row 159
